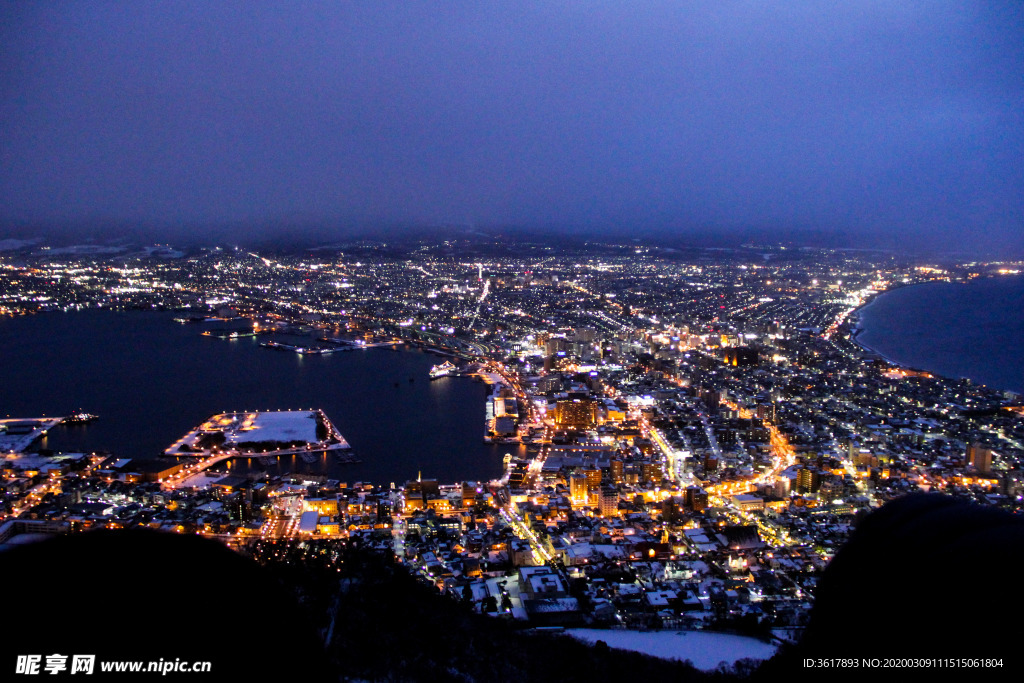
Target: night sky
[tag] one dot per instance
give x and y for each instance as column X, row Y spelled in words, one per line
column 900, row 122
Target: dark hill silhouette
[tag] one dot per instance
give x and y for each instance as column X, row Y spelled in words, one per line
column 145, row 595
column 927, row 575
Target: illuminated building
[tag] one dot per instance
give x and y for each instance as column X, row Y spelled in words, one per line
column 578, row 488
column 324, row 506
column 520, row 553
column 766, row 412
column 830, row 489
column 468, row 494
column 517, row 476
column 807, row 480
column 748, row 503
column 697, row 498
column 150, row 470
column 651, row 472
column 425, row 486
column 616, row 471
column 579, row 413
column 593, row 475
column 608, row 500
column 740, row 356
column 418, row 493
column 586, row 334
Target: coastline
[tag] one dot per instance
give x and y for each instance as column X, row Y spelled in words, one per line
column 441, row 418
column 858, row 329
column 855, row 334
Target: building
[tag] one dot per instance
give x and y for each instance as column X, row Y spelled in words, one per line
column 150, row 470
column 748, row 503
column 652, row 472
column 979, row 457
column 616, row 471
column 541, row 582
column 578, row 488
column 696, row 498
column 468, row 494
column 576, row 413
column 740, row 356
column 807, row 480
column 608, row 501
column 420, row 492
column 308, row 522
column 324, row 506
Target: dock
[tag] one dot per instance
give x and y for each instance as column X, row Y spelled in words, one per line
column 18, row 434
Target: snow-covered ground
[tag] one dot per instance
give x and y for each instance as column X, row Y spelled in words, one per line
column 705, row 650
column 282, row 426
column 201, row 480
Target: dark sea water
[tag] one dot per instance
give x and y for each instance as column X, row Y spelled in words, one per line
column 973, row 330
column 151, row 380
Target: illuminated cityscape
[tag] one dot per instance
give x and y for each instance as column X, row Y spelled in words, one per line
column 532, row 341
column 691, row 436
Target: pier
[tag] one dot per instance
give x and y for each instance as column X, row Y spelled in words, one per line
column 228, row 436
column 303, row 350
column 241, row 434
column 16, row 435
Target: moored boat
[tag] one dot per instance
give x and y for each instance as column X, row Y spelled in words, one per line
column 442, row 370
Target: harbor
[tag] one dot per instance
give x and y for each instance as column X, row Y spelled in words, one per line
column 303, row 350
column 270, row 433
column 395, row 431
column 335, row 346
column 260, row 436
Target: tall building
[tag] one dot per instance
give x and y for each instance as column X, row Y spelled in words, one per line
column 593, row 475
column 468, row 494
column 781, row 488
column 830, row 488
column 554, row 345
column 807, row 480
column 696, row 498
column 580, row 413
column 766, row 411
column 578, row 488
column 586, row 334
column 609, row 502
column 979, row 457
column 616, row 471
column 1013, row 483
column 652, row 472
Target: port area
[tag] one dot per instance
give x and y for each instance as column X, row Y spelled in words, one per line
column 16, row 435
column 501, row 423
column 335, row 345
column 260, row 434
column 229, row 334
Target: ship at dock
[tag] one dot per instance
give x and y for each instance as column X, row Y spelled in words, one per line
column 80, row 418
column 443, row 370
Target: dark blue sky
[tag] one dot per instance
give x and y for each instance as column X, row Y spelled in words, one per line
column 892, row 118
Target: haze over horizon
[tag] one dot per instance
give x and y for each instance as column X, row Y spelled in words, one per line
column 874, row 123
